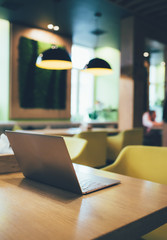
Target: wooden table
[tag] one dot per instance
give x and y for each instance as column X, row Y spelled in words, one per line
column 30, row 210
column 73, row 131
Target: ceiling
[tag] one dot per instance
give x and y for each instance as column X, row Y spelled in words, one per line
column 76, row 18
column 153, row 11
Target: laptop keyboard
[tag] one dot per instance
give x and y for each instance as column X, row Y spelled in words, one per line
column 90, row 182
column 88, row 185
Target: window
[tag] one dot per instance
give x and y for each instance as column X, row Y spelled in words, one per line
column 155, row 66
column 82, row 84
column 4, row 69
column 157, row 83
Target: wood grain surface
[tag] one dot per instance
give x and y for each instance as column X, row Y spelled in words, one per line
column 31, row 210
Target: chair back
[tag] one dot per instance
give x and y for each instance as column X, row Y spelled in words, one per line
column 132, row 137
column 96, row 147
column 127, row 137
column 77, row 149
column 145, row 162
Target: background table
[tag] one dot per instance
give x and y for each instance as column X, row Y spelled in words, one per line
column 73, row 131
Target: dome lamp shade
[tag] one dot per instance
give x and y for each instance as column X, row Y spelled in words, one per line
column 55, row 58
column 98, row 67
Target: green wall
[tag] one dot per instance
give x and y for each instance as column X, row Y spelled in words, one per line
column 4, row 69
column 39, row 88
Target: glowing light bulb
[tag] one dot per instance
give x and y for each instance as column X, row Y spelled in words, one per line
column 145, row 54
column 56, row 28
column 50, row 26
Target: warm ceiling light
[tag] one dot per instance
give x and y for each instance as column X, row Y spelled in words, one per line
column 145, row 54
column 54, row 58
column 56, row 28
column 98, row 67
column 50, row 26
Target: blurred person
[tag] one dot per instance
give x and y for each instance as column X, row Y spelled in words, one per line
column 152, row 129
column 149, row 120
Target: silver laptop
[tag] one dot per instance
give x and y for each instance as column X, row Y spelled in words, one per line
column 46, row 159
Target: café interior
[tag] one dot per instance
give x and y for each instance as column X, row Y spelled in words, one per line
column 90, row 75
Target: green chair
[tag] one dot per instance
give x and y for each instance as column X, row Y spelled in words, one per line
column 145, row 162
column 127, row 137
column 77, row 149
column 96, row 148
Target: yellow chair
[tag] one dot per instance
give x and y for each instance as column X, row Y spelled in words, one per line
column 127, row 137
column 96, row 147
column 77, row 149
column 16, row 127
column 145, row 162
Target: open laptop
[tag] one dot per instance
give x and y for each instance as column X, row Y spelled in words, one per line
column 46, row 159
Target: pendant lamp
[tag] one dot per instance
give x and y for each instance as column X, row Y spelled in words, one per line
column 98, row 66
column 55, row 58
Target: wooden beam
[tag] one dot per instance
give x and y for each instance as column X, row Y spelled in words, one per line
column 154, row 10
column 133, row 3
column 118, row 1
column 162, row 13
column 149, row 5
